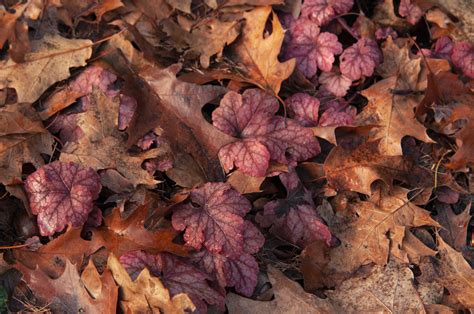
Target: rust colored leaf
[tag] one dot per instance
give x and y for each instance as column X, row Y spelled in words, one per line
column 258, row 55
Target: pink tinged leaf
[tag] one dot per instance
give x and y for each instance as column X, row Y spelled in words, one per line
column 303, row 108
column 384, row 32
column 337, row 113
column 213, row 218
column 446, row 195
column 323, row 11
column 62, row 194
column 410, row 10
column 127, row 108
column 463, row 57
column 311, row 48
column 95, row 218
column 94, row 76
column 134, row 262
column 295, row 217
column 335, row 83
column 250, row 156
column 66, row 125
column 147, row 140
column 443, row 48
column 156, row 164
column 360, row 59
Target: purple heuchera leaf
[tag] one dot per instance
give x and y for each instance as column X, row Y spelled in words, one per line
column 176, row 275
column 239, row 271
column 62, row 194
column 262, row 136
column 311, row 48
column 443, row 48
column 295, row 217
column 360, row 59
column 213, row 218
column 127, row 108
column 335, row 83
column 463, row 57
column 323, row 11
column 303, row 108
column 385, row 32
column 337, row 113
column 410, row 10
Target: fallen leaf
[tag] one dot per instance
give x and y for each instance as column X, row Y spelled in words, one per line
column 455, row 274
column 91, row 279
column 146, row 293
column 323, row 11
column 410, row 10
column 313, row 261
column 387, row 289
column 102, row 146
column 48, row 63
column 22, row 140
column 258, row 55
column 455, row 227
column 360, row 59
column 463, row 57
column 415, row 248
column 289, row 297
column 67, row 294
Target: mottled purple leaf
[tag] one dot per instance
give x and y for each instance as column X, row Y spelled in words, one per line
column 62, row 194
column 385, row 32
column 335, row 83
column 134, row 262
column 410, row 10
column 295, row 217
column 323, row 11
column 446, row 195
column 463, row 57
column 443, row 48
column 311, row 48
column 213, row 218
column 127, row 108
column 337, row 113
column 360, row 59
column 262, row 136
column 303, row 108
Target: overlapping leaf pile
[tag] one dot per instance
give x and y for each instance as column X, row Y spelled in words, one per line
column 178, row 156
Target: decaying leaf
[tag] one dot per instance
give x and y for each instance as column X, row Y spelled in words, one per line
column 258, row 54
column 146, row 293
column 48, row 63
column 289, row 298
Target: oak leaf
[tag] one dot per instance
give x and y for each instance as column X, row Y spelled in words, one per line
column 213, row 218
column 48, row 63
column 258, row 55
column 103, row 146
column 15, row 31
column 22, row 140
column 147, row 293
column 62, row 194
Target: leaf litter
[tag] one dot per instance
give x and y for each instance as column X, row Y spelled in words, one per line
column 241, row 156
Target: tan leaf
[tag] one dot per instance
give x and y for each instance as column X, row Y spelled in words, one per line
column 91, row 279
column 388, row 289
column 258, row 53
column 103, row 146
column 378, row 231
column 415, row 248
column 455, row 273
column 455, row 227
column 48, row 63
column 147, row 293
column 289, row 298
column 22, row 140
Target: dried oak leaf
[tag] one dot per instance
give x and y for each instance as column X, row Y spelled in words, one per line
column 455, row 227
column 175, row 106
column 378, row 231
column 295, row 217
column 386, row 288
column 360, row 59
column 147, row 293
column 67, row 294
column 455, row 274
column 176, row 275
column 463, row 57
column 102, row 146
column 213, row 218
column 22, row 140
column 289, row 297
column 62, row 193
column 258, row 54
column 311, row 48
column 323, row 11
column 15, row 31
column 410, row 10
column 393, row 116
column 263, row 136
column 48, row 63
column 238, row 271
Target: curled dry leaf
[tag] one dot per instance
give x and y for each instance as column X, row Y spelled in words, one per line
column 48, row 63
column 213, row 218
column 146, row 293
column 62, row 193
column 263, row 136
column 22, row 140
column 258, row 55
